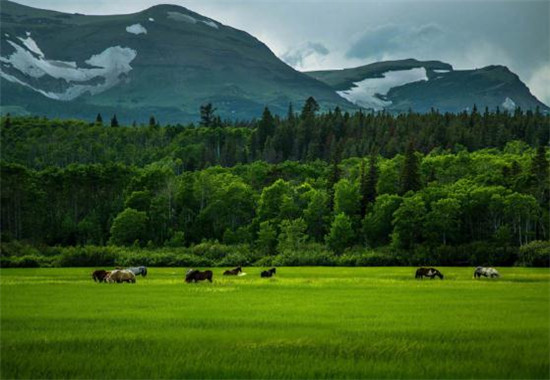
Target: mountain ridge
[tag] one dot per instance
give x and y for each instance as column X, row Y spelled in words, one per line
column 440, row 86
column 180, row 61
column 167, row 61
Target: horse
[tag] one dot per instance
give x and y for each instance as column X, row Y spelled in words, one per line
column 233, row 272
column 100, row 275
column 428, row 272
column 268, row 273
column 121, row 275
column 194, row 275
column 138, row 270
column 486, row 272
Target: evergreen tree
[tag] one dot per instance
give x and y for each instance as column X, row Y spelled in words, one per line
column 114, row 121
column 152, row 121
column 266, row 127
column 99, row 119
column 310, row 108
column 367, row 181
column 332, row 179
column 410, row 173
column 290, row 115
column 207, row 115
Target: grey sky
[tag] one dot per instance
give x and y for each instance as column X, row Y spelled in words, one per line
column 322, row 34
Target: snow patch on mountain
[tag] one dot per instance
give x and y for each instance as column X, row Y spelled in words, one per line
column 178, row 16
column 151, row 19
column 31, row 45
column 136, row 29
column 441, row 71
column 106, row 69
column 211, row 24
column 509, row 104
column 370, row 92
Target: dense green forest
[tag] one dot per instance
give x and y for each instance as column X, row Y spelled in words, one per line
column 310, row 189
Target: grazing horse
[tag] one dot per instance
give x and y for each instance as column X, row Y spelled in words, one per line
column 428, row 272
column 268, row 273
column 233, row 272
column 100, row 275
column 138, row 270
column 121, row 275
column 194, row 275
column 486, row 272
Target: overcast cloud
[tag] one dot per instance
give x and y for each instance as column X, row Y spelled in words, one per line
column 312, row 35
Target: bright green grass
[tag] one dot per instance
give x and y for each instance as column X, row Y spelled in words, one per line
column 305, row 323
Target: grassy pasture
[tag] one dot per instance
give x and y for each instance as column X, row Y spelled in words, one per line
column 305, row 323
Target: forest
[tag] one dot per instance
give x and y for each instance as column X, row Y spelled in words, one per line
column 310, row 189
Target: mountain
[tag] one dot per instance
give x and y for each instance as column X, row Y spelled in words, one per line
column 398, row 86
column 165, row 61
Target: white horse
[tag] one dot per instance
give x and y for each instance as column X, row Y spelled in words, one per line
column 138, row 271
column 486, row 272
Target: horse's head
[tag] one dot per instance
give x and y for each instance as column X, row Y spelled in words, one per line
column 440, row 275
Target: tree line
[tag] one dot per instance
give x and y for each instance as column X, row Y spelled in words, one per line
column 435, row 206
column 303, row 136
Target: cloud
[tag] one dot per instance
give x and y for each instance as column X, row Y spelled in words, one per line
column 391, row 40
column 302, row 55
column 539, row 83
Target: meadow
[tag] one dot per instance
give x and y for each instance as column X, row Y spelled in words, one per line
column 307, row 322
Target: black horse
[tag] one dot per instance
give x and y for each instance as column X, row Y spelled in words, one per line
column 233, row 272
column 194, row 275
column 100, row 275
column 428, row 272
column 268, row 273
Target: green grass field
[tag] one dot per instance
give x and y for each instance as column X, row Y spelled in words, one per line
column 305, row 323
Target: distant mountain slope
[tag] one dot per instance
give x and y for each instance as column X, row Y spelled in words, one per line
column 165, row 61
column 410, row 84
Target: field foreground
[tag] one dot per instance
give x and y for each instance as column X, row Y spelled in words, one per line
column 305, row 323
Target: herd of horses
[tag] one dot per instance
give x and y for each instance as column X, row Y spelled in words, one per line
column 478, row 272
column 120, row 275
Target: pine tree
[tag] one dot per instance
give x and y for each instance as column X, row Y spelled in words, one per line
column 207, row 115
column 368, row 181
column 114, row 121
column 333, row 178
column 266, row 127
column 310, row 108
column 99, row 119
column 290, row 115
column 7, row 121
column 152, row 121
column 410, row 174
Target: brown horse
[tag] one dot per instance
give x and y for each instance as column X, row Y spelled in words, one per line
column 119, row 276
column 268, row 273
column 194, row 275
column 233, row 272
column 428, row 272
column 100, row 275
